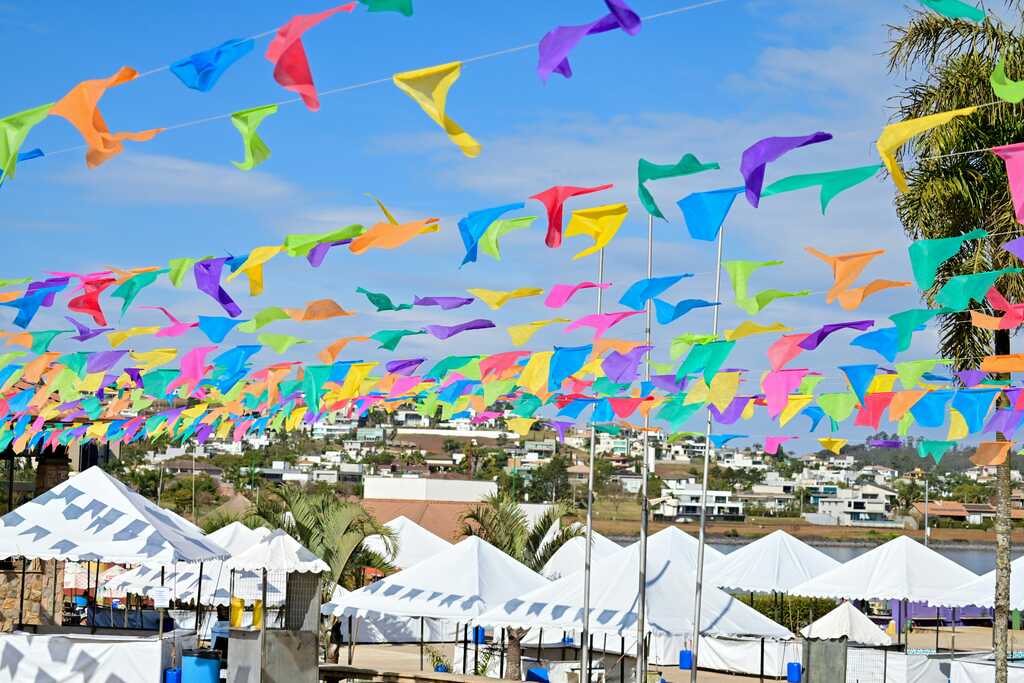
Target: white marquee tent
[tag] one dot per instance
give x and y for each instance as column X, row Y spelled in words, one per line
column 981, row 591
column 901, row 569
column 670, row 592
column 772, row 564
column 278, row 552
column 415, row 543
column 847, row 620
column 572, row 555
column 93, row 516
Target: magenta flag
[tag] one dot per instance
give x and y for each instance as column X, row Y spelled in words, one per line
column 1013, row 156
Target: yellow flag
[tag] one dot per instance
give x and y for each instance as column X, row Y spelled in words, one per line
column 796, row 403
column 155, row 358
column 882, row 384
column 429, row 87
column 834, row 445
column 253, row 267
column 600, row 223
column 957, row 426
column 896, row 135
column 522, row 333
column 724, row 386
column 353, row 381
column 117, row 338
column 224, row 429
column 496, row 299
column 749, row 327
column 535, row 375
column 697, row 392
column 520, row 425
column 294, row 419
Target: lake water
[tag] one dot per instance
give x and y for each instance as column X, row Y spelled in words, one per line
column 978, row 560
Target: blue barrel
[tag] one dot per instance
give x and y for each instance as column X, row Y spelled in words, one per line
column 172, row 675
column 686, row 659
column 441, row 668
column 794, row 672
column 479, row 635
column 200, row 666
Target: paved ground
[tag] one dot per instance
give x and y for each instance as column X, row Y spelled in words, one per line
column 405, row 658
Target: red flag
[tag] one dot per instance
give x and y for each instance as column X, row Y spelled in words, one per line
column 553, row 198
column 286, row 53
column 89, row 300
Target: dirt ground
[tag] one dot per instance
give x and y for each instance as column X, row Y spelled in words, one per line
column 405, row 658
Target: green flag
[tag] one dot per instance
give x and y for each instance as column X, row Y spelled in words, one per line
column 177, row 267
column 263, row 318
column 739, row 273
column 838, row 406
column 279, row 342
column 498, row 229
column 831, row 182
column 300, row 244
column 247, row 121
column 403, row 7
column 908, row 321
column 130, row 288
column 959, row 291
column 645, row 170
column 42, row 339
column 382, row 301
column 389, row 339
column 927, row 255
column 936, row 449
column 13, row 131
column 706, row 359
column 955, row 9
column 1004, row 88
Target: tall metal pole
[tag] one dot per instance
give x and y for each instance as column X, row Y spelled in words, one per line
column 926, row 530
column 585, row 636
column 704, row 478
column 641, row 610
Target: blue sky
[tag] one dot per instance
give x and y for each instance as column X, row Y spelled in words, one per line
column 709, row 81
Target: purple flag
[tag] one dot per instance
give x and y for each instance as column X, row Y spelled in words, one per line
column 203, row 432
column 623, row 368
column 560, row 426
column 668, row 383
column 971, row 378
column 207, row 274
column 557, row 43
column 445, row 302
column 814, row 339
column 85, row 333
column 53, row 284
column 404, row 367
column 318, row 253
column 765, row 151
column 135, row 376
column 446, row 331
column 1005, row 421
column 104, row 360
column 732, row 412
column 885, row 443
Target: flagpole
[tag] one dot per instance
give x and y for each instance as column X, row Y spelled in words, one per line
column 641, row 650
column 585, row 636
column 704, row 478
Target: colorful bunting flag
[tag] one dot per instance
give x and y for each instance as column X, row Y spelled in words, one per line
column 202, row 70
column 247, row 121
column 555, row 46
column 600, row 223
column 831, row 182
column 13, row 131
column 429, row 89
column 756, row 157
column 688, row 164
column 895, row 135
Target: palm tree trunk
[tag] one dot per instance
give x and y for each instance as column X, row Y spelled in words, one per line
column 1002, row 526
column 514, row 670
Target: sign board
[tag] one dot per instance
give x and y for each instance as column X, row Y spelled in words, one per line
column 161, row 597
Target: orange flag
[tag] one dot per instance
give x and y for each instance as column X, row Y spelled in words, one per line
column 331, row 352
column 853, row 298
column 991, row 453
column 1010, row 363
column 321, row 309
column 81, row 108
column 388, row 236
column 846, row 268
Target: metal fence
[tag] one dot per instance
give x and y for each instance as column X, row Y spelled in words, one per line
column 866, row 665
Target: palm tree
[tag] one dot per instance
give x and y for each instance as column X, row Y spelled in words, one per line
column 956, row 185
column 333, row 529
column 501, row 522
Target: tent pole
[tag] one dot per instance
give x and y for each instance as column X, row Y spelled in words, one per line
column 641, row 609
column 584, row 651
column 351, row 640
column 421, row 643
column 936, row 629
column 10, row 481
column 476, row 650
column 465, row 646
column 622, row 659
column 53, row 606
column 761, row 676
column 540, row 644
column 704, row 479
column 263, row 620
column 21, row 600
column 501, row 657
column 590, row 659
column 199, row 601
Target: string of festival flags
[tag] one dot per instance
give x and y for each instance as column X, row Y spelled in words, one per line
column 53, row 398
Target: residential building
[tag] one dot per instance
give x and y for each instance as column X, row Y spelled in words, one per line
column 425, row 488
column 684, row 451
column 742, row 460
column 987, row 473
column 859, row 506
column 681, row 498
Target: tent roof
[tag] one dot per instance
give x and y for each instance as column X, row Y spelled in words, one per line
column 237, row 537
column 981, row 591
column 847, row 620
column 461, row 582
column 773, row 563
column 93, row 516
column 278, row 552
column 613, row 597
column 572, row 555
column 901, row 569
column 415, row 543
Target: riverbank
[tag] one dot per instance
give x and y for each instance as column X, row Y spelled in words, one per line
column 743, row 532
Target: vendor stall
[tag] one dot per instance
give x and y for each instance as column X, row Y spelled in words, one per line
column 93, row 517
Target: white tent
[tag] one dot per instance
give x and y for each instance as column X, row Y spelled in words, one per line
column 981, row 591
column 278, row 552
column 901, row 569
column 183, row 578
column 414, row 543
column 613, row 599
column 847, row 620
column 93, row 516
column 458, row 584
column 772, row 564
column 82, row 576
column 572, row 555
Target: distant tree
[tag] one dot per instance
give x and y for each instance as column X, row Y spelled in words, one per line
column 550, row 481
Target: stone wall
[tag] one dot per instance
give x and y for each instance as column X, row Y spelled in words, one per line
column 39, row 593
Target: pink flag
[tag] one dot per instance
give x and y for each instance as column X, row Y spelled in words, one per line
column 772, row 443
column 778, row 385
column 785, row 349
column 1013, row 155
column 601, row 322
column 560, row 294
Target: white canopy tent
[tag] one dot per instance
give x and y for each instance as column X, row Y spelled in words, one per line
column 183, row 579
column 93, row 516
column 771, row 564
column 981, row 591
column 671, row 560
column 846, row 620
column 572, row 555
column 415, row 543
column 901, row 569
column 278, row 552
